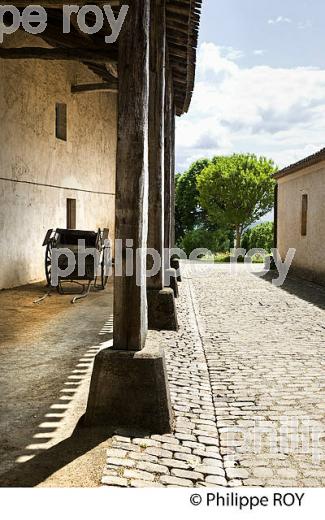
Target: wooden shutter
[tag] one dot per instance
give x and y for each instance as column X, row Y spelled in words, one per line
column 304, row 215
column 71, row 213
column 61, row 121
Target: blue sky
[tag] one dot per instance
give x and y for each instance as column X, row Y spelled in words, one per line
column 295, row 40
column 260, row 81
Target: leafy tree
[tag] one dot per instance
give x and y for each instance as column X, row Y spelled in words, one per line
column 215, row 241
column 261, row 236
column 237, row 190
column 246, row 240
column 189, row 214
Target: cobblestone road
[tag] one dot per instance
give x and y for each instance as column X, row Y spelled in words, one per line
column 246, row 372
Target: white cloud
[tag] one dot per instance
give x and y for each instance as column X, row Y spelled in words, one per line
column 231, row 54
column 275, row 112
column 279, row 19
column 307, row 24
column 259, row 52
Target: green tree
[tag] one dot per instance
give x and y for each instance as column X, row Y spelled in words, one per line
column 237, row 190
column 261, row 237
column 246, row 240
column 189, row 215
column 214, row 241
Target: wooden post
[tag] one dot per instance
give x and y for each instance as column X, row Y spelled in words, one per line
column 161, row 301
column 156, row 138
column 172, row 179
column 170, row 272
column 169, row 163
column 168, row 155
column 129, row 385
column 130, row 301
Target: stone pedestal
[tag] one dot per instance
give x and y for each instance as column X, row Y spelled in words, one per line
column 174, row 263
column 171, row 281
column 162, row 313
column 129, row 390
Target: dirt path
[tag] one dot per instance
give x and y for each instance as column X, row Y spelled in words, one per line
column 46, row 356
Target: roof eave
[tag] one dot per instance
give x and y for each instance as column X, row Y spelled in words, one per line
column 311, row 160
column 190, row 12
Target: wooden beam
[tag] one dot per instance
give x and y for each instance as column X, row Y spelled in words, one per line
column 183, row 17
column 38, row 53
column 112, row 69
column 55, row 38
column 130, row 297
column 74, row 23
column 95, row 87
column 54, row 4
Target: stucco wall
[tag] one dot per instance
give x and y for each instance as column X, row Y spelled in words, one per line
column 55, row 170
column 309, row 260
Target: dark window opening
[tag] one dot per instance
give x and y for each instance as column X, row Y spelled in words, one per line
column 304, row 215
column 61, row 121
column 71, row 214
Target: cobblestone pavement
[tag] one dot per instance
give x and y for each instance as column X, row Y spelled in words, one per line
column 246, row 373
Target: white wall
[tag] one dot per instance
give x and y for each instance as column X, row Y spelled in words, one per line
column 56, row 170
column 309, row 260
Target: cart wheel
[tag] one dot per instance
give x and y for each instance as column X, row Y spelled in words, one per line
column 48, row 262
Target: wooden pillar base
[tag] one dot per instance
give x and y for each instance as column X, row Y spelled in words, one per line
column 129, row 390
column 162, row 314
column 171, row 277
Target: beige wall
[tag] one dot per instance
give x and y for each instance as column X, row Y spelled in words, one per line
column 309, row 260
column 56, row 170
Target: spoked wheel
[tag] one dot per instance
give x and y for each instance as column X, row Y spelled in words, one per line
column 48, row 262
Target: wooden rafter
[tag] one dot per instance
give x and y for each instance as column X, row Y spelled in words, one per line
column 95, row 87
column 54, row 4
column 39, row 53
column 182, row 25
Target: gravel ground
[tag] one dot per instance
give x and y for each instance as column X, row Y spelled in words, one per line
column 246, row 373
